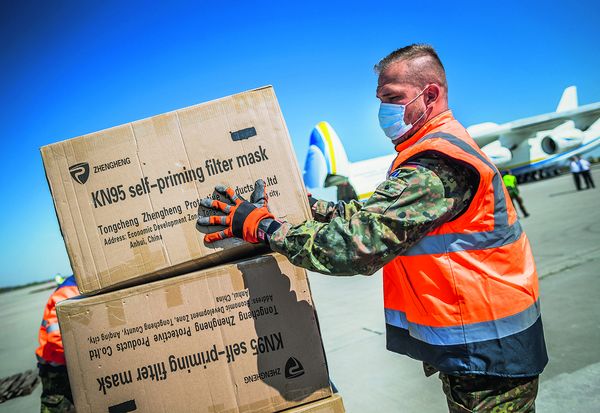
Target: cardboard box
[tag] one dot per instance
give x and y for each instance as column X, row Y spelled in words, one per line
column 333, row 404
column 240, row 337
column 127, row 197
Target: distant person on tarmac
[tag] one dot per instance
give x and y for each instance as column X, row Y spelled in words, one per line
column 584, row 167
column 56, row 390
column 460, row 288
column 575, row 167
column 510, row 181
column 580, row 168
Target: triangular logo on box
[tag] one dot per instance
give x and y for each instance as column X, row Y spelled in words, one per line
column 80, row 172
column 293, row 368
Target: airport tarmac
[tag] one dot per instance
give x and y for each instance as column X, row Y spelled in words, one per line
column 564, row 229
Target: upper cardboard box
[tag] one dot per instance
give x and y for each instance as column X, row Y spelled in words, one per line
column 127, row 197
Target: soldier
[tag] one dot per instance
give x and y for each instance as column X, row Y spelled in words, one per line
column 56, row 390
column 460, row 285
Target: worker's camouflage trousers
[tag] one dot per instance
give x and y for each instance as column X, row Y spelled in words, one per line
column 472, row 393
column 56, row 391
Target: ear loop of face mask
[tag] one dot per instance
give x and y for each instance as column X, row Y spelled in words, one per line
column 424, row 112
column 415, row 98
column 412, row 124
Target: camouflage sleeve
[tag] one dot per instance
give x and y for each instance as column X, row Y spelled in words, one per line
column 323, row 211
column 399, row 213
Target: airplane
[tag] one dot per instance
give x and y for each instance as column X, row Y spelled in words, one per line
column 531, row 148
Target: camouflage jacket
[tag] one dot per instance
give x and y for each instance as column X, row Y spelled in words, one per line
column 356, row 238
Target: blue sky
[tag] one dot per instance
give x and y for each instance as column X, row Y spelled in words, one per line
column 70, row 68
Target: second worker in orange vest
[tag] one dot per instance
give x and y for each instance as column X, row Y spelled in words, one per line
column 460, row 283
column 56, row 389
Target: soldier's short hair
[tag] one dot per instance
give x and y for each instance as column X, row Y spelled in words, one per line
column 424, row 64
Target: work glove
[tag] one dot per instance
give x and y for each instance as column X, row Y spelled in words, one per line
column 242, row 219
column 311, row 200
column 312, row 203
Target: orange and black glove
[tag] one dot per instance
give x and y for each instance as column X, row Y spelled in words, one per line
column 311, row 200
column 250, row 221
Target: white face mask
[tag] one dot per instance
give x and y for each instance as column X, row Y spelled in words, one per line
column 391, row 119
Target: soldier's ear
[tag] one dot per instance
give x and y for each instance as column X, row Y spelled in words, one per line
column 432, row 93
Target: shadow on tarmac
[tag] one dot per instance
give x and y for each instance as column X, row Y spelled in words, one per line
column 574, row 191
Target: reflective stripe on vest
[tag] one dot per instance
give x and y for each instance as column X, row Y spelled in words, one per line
column 519, row 355
column 487, row 330
column 52, row 327
column 441, row 243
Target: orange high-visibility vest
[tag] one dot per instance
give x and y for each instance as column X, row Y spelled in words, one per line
column 51, row 349
column 465, row 298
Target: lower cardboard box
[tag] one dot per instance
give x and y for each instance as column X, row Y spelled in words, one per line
column 333, row 404
column 242, row 337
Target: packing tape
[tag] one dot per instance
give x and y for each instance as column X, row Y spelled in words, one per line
column 192, row 239
column 84, row 317
column 265, row 405
column 174, row 295
column 116, row 313
column 237, row 281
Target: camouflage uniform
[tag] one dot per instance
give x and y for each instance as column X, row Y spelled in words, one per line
column 355, row 238
column 471, row 393
column 56, row 390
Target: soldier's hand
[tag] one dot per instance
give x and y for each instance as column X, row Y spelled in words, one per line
column 241, row 217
